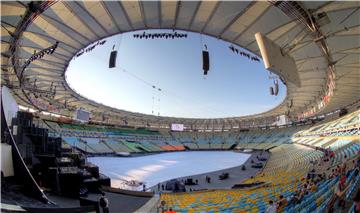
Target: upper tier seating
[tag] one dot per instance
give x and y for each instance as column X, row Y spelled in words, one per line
column 345, row 125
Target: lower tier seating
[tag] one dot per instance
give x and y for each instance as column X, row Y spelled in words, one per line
column 283, row 172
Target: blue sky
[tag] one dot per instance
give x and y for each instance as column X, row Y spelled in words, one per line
column 234, row 86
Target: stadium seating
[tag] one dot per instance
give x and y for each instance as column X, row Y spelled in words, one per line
column 349, row 151
column 117, row 146
column 97, row 145
column 293, row 155
column 77, row 143
column 343, row 126
column 150, row 146
column 153, row 141
column 285, row 168
column 289, row 162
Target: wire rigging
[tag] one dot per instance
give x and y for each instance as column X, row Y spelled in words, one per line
column 158, row 92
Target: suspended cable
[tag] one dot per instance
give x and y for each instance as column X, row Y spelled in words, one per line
column 152, row 107
column 173, row 96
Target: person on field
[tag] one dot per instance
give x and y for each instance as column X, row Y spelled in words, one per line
column 104, row 203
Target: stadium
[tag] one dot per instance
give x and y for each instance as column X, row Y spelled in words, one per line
column 180, row 106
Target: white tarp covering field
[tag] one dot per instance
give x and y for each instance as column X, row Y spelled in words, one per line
column 153, row 169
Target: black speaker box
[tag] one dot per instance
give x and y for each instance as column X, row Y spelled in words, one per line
column 271, row 91
column 276, row 90
column 343, row 112
column 206, row 65
column 112, row 61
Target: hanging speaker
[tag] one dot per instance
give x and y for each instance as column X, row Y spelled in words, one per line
column 206, row 59
column 112, row 61
column 271, row 91
column 276, row 90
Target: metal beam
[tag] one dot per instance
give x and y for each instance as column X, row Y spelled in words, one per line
column 22, row 4
column 82, row 21
column 2, row 21
column 92, row 17
column 55, row 53
column 51, row 62
column 178, row 5
column 48, row 70
column 236, row 18
column 194, row 15
column 211, row 15
column 159, row 13
column 312, row 78
column 111, row 16
column 126, row 15
column 248, row 27
column 142, row 13
column 46, row 75
column 69, row 28
column 48, row 37
column 349, row 15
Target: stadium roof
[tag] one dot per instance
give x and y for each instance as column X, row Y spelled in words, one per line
column 322, row 37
